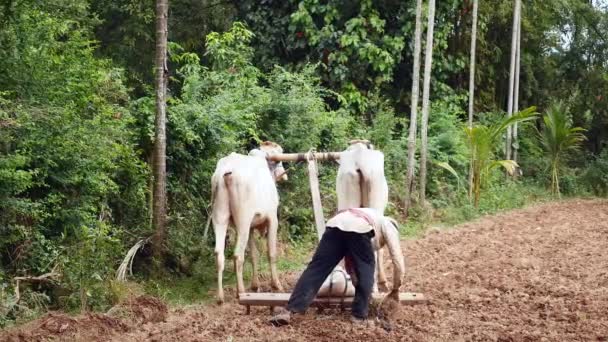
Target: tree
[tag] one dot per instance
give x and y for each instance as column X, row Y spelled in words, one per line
column 357, row 47
column 516, row 88
column 516, row 14
column 159, row 206
column 482, row 141
column 426, row 84
column 558, row 137
column 472, row 82
column 411, row 140
column 472, row 62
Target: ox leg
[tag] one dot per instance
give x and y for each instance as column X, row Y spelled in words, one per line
column 220, row 236
column 220, row 218
column 273, row 226
column 375, row 286
column 380, row 270
column 239, row 253
column 255, row 280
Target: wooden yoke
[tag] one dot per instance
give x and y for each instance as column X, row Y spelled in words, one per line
column 296, row 157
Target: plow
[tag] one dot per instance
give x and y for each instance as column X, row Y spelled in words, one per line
column 271, row 300
column 332, row 300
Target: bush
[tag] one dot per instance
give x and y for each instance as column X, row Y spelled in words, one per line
column 595, row 178
column 71, row 181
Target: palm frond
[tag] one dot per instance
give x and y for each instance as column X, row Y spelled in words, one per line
column 508, row 165
column 449, row 168
column 521, row 116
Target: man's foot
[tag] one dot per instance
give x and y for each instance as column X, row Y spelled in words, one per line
column 281, row 317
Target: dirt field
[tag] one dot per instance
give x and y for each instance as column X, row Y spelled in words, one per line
column 537, row 274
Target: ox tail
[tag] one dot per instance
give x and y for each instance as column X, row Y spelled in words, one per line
column 214, row 185
column 364, row 189
column 228, row 182
column 211, row 204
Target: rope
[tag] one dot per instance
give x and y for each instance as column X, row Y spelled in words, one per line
column 331, row 283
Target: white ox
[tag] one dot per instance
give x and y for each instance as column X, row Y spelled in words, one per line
column 245, row 195
column 361, row 184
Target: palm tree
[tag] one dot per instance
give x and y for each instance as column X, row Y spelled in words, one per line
column 558, row 137
column 159, row 210
column 426, row 90
column 482, row 142
column 516, row 88
column 472, row 62
column 516, row 14
column 472, row 82
column 411, row 140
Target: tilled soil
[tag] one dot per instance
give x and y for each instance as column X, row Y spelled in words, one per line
column 535, row 274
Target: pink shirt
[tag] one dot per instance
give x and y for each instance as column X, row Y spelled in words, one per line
column 356, row 220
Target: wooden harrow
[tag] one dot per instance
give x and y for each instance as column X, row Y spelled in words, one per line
column 271, row 300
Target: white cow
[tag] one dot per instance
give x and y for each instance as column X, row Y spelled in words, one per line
column 361, row 183
column 245, row 195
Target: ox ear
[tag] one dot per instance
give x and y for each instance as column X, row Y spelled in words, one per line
column 280, row 174
column 271, row 146
column 257, row 153
column 360, row 141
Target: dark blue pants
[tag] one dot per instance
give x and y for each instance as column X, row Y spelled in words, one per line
column 335, row 245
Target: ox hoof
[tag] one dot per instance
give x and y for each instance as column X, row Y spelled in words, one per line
column 383, row 287
column 220, row 301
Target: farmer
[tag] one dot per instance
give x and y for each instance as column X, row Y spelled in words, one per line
column 348, row 235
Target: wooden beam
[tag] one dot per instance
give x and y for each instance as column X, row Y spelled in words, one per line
column 281, row 299
column 296, row 157
column 313, row 178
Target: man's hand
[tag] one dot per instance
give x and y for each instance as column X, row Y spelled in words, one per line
column 394, row 294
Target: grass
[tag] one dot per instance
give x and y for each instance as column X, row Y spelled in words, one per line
column 200, row 288
column 495, row 199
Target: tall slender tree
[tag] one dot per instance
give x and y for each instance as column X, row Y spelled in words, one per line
column 426, row 89
column 472, row 62
column 472, row 83
column 411, row 140
column 516, row 11
column 516, row 90
column 159, row 206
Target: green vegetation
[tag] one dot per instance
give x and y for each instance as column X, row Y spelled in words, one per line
column 558, row 137
column 77, row 125
column 482, row 142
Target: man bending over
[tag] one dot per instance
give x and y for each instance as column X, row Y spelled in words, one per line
column 353, row 234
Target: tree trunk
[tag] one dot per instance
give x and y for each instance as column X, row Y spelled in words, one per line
column 159, row 215
column 472, row 62
column 516, row 89
column 411, row 140
column 472, row 84
column 512, row 74
column 426, row 84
